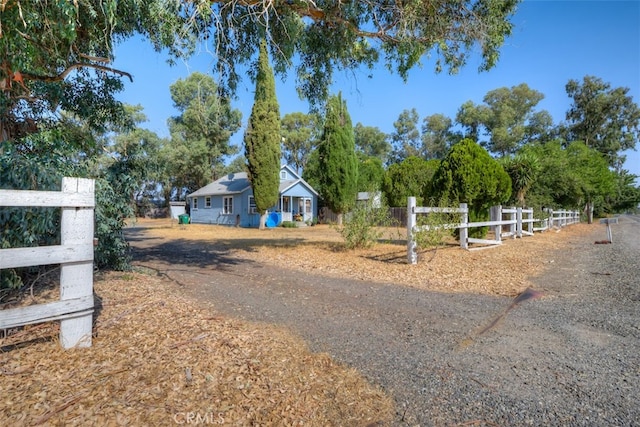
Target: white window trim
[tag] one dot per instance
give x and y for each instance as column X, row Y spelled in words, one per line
column 283, row 174
column 194, row 203
column 224, row 205
column 207, row 199
column 252, row 206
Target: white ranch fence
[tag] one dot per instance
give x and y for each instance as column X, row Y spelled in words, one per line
column 506, row 222
column 74, row 254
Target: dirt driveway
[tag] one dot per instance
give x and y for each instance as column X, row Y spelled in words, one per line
column 570, row 356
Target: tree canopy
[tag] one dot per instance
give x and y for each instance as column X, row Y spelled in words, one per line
column 406, row 136
column 200, row 134
column 300, row 133
column 332, row 35
column 57, row 56
column 604, row 118
column 371, row 142
column 508, row 117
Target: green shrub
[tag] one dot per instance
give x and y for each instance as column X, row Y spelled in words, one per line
column 432, row 231
column 289, row 224
column 361, row 227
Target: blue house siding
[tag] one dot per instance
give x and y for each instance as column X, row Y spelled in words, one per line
column 296, row 196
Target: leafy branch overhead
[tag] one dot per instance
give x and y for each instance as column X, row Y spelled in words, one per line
column 329, row 35
column 57, row 54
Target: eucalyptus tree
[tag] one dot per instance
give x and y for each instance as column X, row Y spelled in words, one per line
column 262, row 139
column 507, row 117
column 200, row 133
column 605, row 118
column 138, row 151
column 58, row 55
column 437, row 136
column 300, row 133
column 371, row 142
column 406, row 137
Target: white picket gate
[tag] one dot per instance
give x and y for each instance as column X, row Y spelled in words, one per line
column 74, row 254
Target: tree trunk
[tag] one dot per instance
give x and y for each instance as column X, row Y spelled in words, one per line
column 339, row 219
column 589, row 212
column 263, row 220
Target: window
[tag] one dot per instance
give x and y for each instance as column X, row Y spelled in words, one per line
column 252, row 205
column 283, row 174
column 207, row 201
column 227, row 205
column 195, row 203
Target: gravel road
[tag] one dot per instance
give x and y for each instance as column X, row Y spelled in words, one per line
column 568, row 357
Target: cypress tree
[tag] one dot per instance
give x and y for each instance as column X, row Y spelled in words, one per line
column 337, row 159
column 262, row 139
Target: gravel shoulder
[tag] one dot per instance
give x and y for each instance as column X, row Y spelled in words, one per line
column 569, row 357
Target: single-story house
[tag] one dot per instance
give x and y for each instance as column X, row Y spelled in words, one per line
column 229, row 200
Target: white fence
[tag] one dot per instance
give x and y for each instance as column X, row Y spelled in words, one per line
column 519, row 222
column 74, row 254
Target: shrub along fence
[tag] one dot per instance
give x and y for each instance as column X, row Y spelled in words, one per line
column 514, row 224
column 74, row 254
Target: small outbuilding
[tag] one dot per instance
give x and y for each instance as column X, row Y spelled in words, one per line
column 229, row 200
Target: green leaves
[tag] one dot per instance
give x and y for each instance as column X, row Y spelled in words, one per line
column 200, row 135
column 468, row 174
column 262, row 139
column 604, row 118
column 337, row 158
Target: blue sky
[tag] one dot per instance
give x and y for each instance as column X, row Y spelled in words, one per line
column 552, row 42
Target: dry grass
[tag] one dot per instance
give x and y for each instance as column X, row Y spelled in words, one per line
column 157, row 359
column 501, row 270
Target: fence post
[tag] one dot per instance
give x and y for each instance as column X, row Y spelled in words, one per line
column 412, row 255
column 464, row 230
column 498, row 228
column 550, row 223
column 530, row 223
column 519, row 223
column 76, row 280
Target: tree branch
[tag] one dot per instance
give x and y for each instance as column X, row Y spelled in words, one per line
column 70, row 68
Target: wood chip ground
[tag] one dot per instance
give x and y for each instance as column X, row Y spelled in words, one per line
column 159, row 359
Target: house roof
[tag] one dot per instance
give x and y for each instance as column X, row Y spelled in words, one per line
column 287, row 184
column 233, row 183
column 236, row 183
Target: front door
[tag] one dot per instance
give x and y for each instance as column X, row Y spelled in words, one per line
column 306, row 209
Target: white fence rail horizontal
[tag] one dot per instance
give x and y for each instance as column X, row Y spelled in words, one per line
column 74, row 254
column 520, row 222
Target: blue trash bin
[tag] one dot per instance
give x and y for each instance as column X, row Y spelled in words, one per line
column 273, row 219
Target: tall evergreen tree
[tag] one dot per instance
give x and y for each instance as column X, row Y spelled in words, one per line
column 262, row 139
column 337, row 159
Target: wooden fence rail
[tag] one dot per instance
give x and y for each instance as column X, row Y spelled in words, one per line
column 74, row 254
column 516, row 221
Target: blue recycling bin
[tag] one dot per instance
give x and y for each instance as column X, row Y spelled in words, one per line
column 273, row 219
